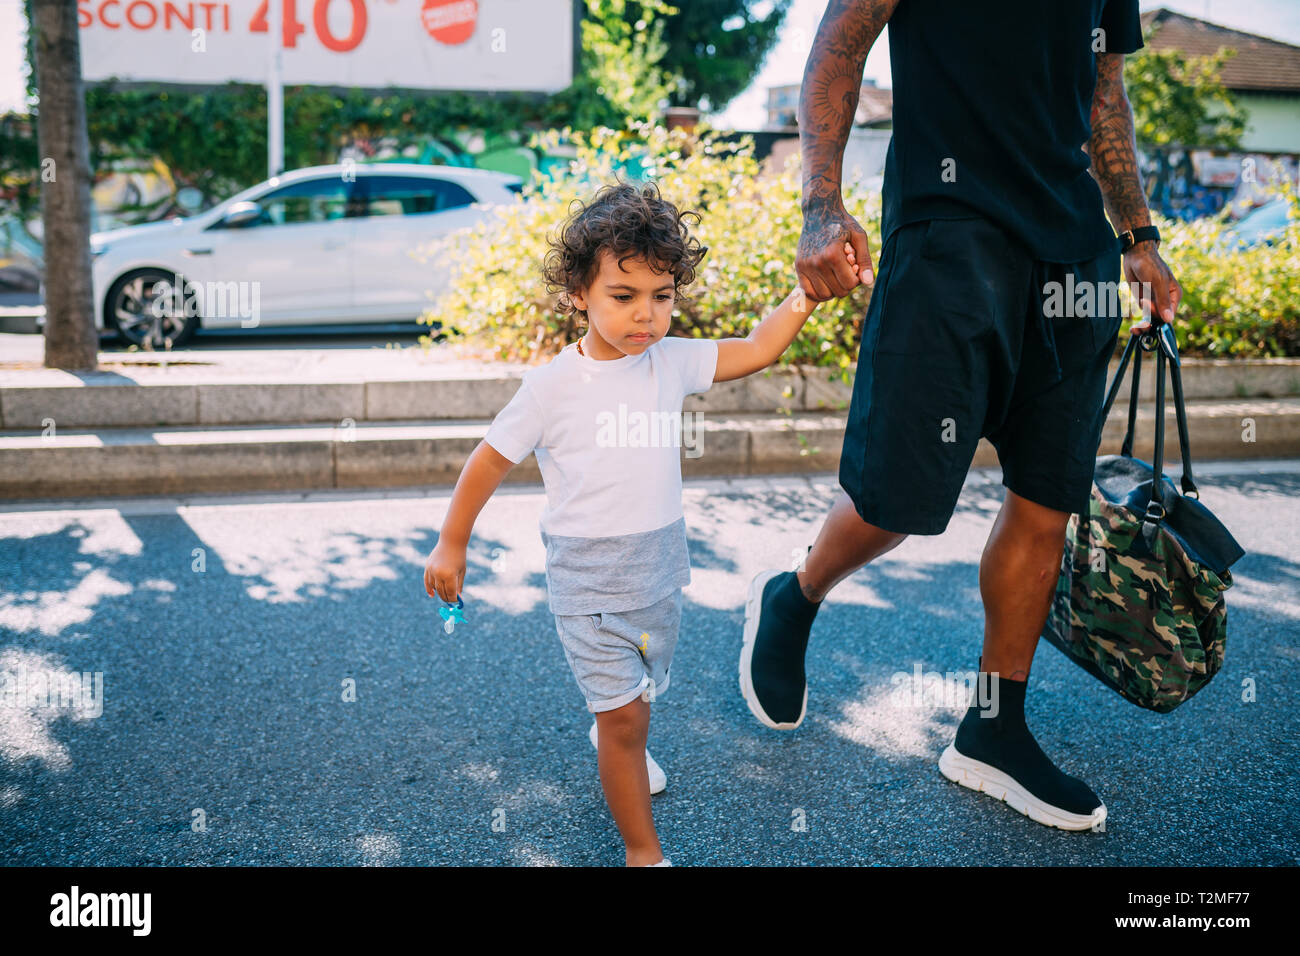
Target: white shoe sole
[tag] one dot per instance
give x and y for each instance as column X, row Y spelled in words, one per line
column 753, row 605
column 658, row 779
column 978, row 775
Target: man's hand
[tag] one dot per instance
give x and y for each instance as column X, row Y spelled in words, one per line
column 825, row 272
column 828, row 102
column 444, row 571
column 1143, row 265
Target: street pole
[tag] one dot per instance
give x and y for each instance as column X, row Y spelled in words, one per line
column 275, row 93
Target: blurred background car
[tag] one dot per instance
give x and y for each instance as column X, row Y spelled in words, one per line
column 1262, row 225
column 21, row 262
column 317, row 246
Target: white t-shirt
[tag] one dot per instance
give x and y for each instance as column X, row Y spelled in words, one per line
column 608, row 435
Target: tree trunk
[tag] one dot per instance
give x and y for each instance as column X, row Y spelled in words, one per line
column 71, row 341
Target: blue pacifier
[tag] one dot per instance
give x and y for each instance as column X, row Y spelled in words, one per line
column 452, row 614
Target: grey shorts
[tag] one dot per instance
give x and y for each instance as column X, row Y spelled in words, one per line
column 619, row 656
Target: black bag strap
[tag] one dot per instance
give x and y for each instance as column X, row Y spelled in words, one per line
column 1119, row 377
column 1127, row 448
column 1156, row 507
column 1166, row 346
column 1132, row 352
column 1169, row 347
column 1166, row 353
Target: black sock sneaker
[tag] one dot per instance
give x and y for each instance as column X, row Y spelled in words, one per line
column 778, row 619
column 998, row 755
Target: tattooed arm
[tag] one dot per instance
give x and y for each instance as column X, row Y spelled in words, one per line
column 1112, row 151
column 828, row 100
column 1112, row 148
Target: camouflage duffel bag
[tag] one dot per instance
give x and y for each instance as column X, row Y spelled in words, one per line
column 1139, row 603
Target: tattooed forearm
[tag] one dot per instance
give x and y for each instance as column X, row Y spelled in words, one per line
column 1112, row 149
column 829, row 96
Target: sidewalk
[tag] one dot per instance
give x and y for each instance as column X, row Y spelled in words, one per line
column 21, row 358
column 243, row 419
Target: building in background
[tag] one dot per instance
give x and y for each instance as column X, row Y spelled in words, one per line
column 1264, row 76
column 864, row 154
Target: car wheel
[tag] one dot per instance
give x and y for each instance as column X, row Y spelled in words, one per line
column 146, row 311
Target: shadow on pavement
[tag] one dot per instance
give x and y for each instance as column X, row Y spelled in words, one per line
column 226, row 671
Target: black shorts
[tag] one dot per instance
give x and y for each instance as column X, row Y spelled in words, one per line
column 964, row 339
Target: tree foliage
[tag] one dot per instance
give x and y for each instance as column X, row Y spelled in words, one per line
column 624, row 44
column 1180, row 100
column 715, row 48
column 1234, row 302
column 496, row 299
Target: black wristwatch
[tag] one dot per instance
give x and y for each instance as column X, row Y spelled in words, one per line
column 1131, row 237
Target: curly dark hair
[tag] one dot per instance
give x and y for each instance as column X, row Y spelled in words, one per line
column 629, row 220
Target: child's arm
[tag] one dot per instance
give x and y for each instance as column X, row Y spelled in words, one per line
column 771, row 337
column 444, row 572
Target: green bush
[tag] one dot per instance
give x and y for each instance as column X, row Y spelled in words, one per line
column 1236, row 302
column 497, row 300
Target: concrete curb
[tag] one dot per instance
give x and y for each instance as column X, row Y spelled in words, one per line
column 125, row 462
column 180, row 396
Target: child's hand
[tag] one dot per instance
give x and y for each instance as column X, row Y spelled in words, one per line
column 444, row 572
column 853, row 264
column 853, row 260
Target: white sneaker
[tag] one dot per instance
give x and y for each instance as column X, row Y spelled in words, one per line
column 658, row 779
column 664, row 862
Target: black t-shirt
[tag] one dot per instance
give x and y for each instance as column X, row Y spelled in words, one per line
column 992, row 106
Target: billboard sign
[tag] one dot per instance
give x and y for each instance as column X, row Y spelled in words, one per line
column 524, row 45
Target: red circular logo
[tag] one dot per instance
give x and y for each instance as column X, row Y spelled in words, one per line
column 450, row 21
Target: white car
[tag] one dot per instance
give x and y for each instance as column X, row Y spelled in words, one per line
column 327, row 244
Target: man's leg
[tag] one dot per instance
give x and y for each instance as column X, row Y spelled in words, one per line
column 927, row 366
column 781, row 607
column 1018, row 573
column 1046, row 442
column 994, row 751
column 844, row 544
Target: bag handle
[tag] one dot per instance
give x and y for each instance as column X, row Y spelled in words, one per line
column 1169, row 346
column 1131, row 352
column 1156, row 507
column 1119, row 377
column 1166, row 354
column 1127, row 448
column 1165, row 344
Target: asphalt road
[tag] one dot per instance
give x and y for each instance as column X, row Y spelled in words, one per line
column 223, row 687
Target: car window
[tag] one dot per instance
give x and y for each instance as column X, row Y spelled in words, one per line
column 314, row 200
column 411, row 195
